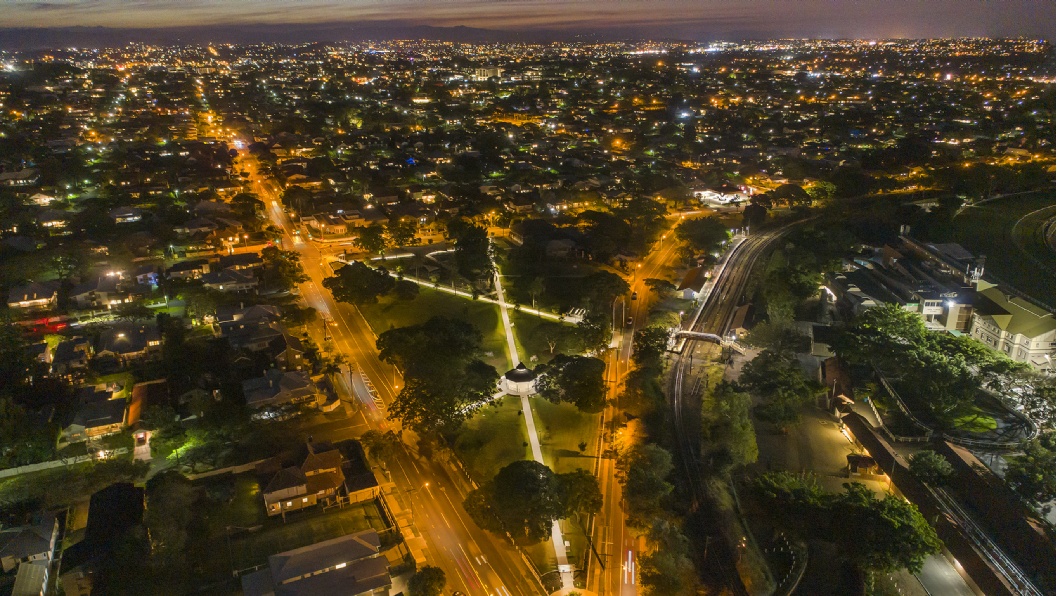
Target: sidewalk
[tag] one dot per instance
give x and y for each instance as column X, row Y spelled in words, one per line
column 565, row 572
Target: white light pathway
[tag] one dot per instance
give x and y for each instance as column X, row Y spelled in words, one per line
column 565, row 573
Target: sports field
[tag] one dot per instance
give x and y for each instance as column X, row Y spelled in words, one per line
column 1017, row 235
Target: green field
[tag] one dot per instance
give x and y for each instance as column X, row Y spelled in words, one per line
column 493, row 438
column 561, row 428
column 1017, row 252
column 389, row 313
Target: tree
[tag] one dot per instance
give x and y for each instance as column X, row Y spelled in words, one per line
column 599, row 290
column 133, row 311
column 358, row 283
column 282, row 268
column 535, row 289
column 649, row 345
column 703, row 234
column 777, row 377
column 400, row 233
column 428, row 581
column 821, row 191
column 406, row 290
column 171, row 507
column 444, row 377
column 667, row 570
column 372, row 238
column 930, row 468
column 593, row 330
column 575, row 379
column 472, row 250
column 660, row 287
column 881, row 335
column 877, row 535
column 580, row 492
column 1032, row 474
column 381, row 446
column 777, row 336
column 523, row 499
column 642, row 469
column 728, row 433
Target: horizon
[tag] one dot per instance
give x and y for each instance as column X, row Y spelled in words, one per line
column 716, row 20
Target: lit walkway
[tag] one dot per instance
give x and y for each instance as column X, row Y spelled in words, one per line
column 565, row 573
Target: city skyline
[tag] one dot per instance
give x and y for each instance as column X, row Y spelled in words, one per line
column 672, row 19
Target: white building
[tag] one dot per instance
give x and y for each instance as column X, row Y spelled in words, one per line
column 1009, row 324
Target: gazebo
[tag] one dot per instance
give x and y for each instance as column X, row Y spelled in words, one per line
column 519, row 381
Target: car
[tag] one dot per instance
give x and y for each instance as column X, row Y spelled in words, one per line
column 633, row 296
column 629, row 322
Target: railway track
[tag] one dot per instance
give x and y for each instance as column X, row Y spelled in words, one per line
column 715, row 317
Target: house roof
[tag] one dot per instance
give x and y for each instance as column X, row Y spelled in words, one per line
column 31, row 291
column 1013, row 314
column 228, row 276
column 284, row 479
column 325, row 460
column 32, row 539
column 100, row 413
column 30, row 578
column 146, row 395
column 322, row 555
column 128, row 337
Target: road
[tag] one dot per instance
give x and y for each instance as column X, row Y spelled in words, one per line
column 617, row 548
column 474, row 561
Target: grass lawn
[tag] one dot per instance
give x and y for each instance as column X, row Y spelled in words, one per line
column 492, row 439
column 561, row 428
column 975, row 421
column 533, row 333
column 991, row 230
column 389, row 313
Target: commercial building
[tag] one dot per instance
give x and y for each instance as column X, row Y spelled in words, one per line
column 1009, row 324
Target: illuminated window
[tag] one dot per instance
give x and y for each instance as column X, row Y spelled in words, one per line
column 305, row 499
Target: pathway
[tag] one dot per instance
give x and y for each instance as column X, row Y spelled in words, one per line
column 565, row 573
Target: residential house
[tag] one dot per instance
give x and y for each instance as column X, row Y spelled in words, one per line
column 349, row 565
column 101, row 292
column 193, row 269
column 318, row 480
column 123, row 215
column 278, row 388
column 112, row 513
column 33, row 296
column 127, row 340
column 240, row 262
column 230, row 280
column 24, row 177
column 1021, row 330
column 70, row 355
column 95, row 419
column 146, row 275
column 28, row 544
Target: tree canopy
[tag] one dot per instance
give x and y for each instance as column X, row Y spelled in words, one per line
column 703, row 234
column 444, row 377
column 525, row 497
column 358, row 283
column 876, row 534
column 1032, row 473
column 643, row 470
column 575, row 379
column 427, row 581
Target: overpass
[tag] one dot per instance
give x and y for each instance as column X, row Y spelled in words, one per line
column 711, row 337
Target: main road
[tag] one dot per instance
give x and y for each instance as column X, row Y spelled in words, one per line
column 474, row 562
column 617, row 574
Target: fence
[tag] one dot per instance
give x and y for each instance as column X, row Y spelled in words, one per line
column 55, row 463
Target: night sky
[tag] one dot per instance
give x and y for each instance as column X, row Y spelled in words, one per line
column 686, row 19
